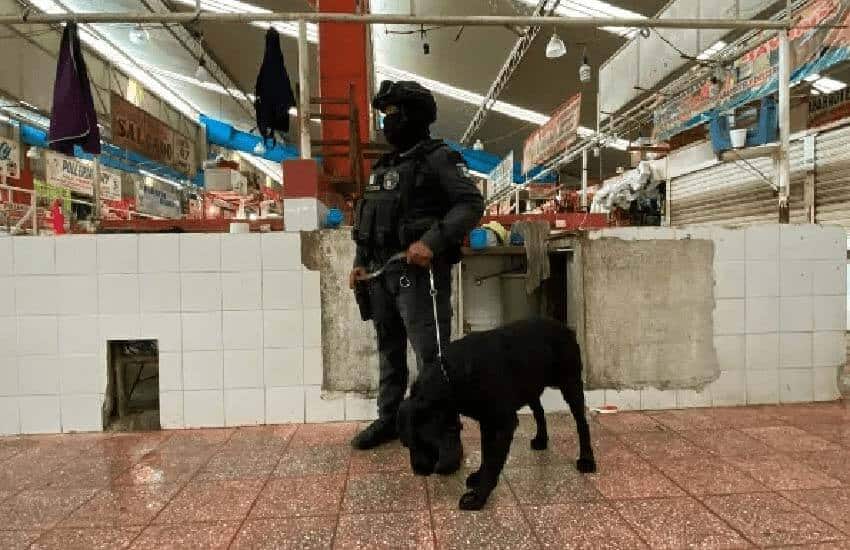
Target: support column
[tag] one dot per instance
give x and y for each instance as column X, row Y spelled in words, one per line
column 784, row 164
column 584, row 179
column 304, row 90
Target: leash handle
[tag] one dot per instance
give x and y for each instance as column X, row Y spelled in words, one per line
column 437, row 324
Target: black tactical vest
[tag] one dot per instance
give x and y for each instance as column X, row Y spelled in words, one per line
column 402, row 200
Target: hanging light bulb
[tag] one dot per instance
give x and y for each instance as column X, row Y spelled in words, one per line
column 139, row 35
column 201, row 72
column 556, row 47
column 644, row 32
column 478, row 146
column 584, row 72
column 597, row 151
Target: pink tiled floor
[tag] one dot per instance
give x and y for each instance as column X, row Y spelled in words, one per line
column 723, row 478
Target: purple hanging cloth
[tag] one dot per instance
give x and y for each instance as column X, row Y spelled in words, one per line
column 73, row 120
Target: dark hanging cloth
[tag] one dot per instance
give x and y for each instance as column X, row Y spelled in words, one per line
column 73, row 120
column 273, row 90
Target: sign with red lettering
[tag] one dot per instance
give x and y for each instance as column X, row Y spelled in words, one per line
column 554, row 136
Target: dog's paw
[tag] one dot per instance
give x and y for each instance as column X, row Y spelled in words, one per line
column 472, row 501
column 539, row 443
column 586, row 465
column 473, row 479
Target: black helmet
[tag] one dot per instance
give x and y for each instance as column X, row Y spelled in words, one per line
column 407, row 93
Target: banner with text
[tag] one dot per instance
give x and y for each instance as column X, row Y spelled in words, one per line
column 501, row 176
column 755, row 74
column 77, row 176
column 10, row 155
column 554, row 136
column 158, row 199
column 145, row 134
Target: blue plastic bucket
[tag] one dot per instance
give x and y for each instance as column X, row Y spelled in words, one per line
column 478, row 239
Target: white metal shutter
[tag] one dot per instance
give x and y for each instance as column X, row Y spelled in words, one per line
column 832, row 180
column 736, row 193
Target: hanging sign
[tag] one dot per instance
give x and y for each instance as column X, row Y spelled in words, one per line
column 554, row 136
column 815, row 47
column 139, row 131
column 10, row 154
column 158, row 199
column 77, row 176
column 502, row 175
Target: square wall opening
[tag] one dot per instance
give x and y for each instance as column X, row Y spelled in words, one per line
column 132, row 387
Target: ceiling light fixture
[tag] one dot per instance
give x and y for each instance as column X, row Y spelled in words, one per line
column 585, row 73
column 139, row 35
column 556, row 47
column 711, row 51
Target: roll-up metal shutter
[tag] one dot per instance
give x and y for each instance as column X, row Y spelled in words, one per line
column 832, row 177
column 736, row 193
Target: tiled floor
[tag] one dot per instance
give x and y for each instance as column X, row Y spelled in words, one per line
column 705, row 478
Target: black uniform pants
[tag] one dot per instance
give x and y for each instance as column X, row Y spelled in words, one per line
column 402, row 310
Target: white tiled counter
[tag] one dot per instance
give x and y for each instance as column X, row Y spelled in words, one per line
column 237, row 319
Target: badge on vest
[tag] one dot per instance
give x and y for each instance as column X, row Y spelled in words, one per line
column 373, row 185
column 464, row 170
column 391, row 180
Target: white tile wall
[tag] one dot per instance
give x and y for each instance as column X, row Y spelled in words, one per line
column 762, row 242
column 200, row 291
column 78, row 335
column 34, row 256
column 170, row 372
column 321, row 409
column 731, row 280
column 38, row 375
column 7, row 299
column 285, row 367
column 243, row 369
column 829, row 349
column 40, row 414
column 282, row 290
column 159, row 254
column 165, row 328
column 281, row 251
column 284, row 405
column 76, row 255
column 10, row 421
column 241, row 252
column 8, row 375
column 829, row 313
column 358, row 408
column 8, row 335
column 171, row 409
column 693, row 398
column 82, row 413
column 762, row 315
column 118, row 253
column 243, row 330
column 795, row 313
column 203, row 409
column 244, row 407
column 312, row 328
column 118, row 294
column 729, row 316
column 241, row 290
column 313, row 366
column 763, row 351
column 283, row 329
column 160, row 292
column 796, row 385
column 830, row 278
column 38, row 335
column 82, row 374
column 762, row 387
column 311, row 290
column 202, row 331
column 77, row 295
column 200, row 252
column 655, row 399
column 795, row 350
column 762, row 279
column 203, row 370
column 731, row 351
column 796, row 278
column 7, row 265
column 626, row 400
column 825, row 383
column 36, row 295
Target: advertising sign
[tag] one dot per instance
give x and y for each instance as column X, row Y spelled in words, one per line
column 502, row 175
column 554, row 136
column 10, row 155
column 77, row 176
column 755, row 74
column 145, row 134
column 158, row 199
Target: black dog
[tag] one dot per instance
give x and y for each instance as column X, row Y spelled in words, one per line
column 489, row 376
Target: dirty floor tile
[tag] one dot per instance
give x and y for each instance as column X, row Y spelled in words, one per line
column 211, row 501
column 87, row 539
column 313, row 533
column 490, row 528
column 384, row 493
column 188, row 536
column 300, row 496
column 404, row 530
column 587, row 525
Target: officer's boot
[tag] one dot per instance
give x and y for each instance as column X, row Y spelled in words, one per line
column 451, row 450
column 377, row 433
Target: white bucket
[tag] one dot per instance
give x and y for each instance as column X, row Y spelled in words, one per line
column 739, row 138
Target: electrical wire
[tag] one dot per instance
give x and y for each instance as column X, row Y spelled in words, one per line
column 753, row 167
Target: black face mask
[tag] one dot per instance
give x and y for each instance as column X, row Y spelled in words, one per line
column 394, row 129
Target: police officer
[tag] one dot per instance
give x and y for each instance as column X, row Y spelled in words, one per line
column 419, row 199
